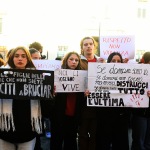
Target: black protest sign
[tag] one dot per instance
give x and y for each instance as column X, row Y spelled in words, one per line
column 26, row 84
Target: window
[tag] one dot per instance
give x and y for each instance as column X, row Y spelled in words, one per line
column 141, row 13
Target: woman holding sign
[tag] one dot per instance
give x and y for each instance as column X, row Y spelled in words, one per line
column 64, row 124
column 141, row 120
column 112, row 129
column 20, row 119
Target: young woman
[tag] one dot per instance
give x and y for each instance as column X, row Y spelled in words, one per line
column 112, row 128
column 64, row 124
column 16, row 130
column 141, row 120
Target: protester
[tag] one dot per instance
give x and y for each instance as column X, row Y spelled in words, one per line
column 112, row 129
column 87, row 128
column 38, row 46
column 41, row 138
column 18, row 130
column 7, row 56
column 5, row 65
column 35, row 54
column 141, row 120
column 2, row 62
column 64, row 124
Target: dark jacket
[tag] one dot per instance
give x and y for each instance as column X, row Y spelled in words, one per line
column 88, row 111
column 22, row 121
column 60, row 107
column 142, row 112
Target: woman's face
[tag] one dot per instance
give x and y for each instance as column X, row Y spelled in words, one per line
column 116, row 59
column 20, row 59
column 73, row 61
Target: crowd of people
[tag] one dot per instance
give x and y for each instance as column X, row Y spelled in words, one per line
column 74, row 125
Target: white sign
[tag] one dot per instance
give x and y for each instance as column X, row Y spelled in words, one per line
column 118, row 85
column 47, row 64
column 125, row 45
column 67, row 80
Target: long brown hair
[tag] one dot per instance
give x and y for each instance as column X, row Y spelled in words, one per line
column 2, row 62
column 12, row 54
column 146, row 57
column 112, row 55
column 65, row 59
column 84, row 64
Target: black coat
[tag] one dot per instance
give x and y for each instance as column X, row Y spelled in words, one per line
column 60, row 107
column 22, row 121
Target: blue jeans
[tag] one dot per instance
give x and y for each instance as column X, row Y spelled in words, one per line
column 140, row 133
column 4, row 145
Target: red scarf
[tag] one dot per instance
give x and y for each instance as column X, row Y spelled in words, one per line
column 71, row 104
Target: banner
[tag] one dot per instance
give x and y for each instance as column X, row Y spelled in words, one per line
column 44, row 64
column 125, row 45
column 118, row 85
column 26, row 84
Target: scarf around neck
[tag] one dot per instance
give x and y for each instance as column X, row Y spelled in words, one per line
column 7, row 120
